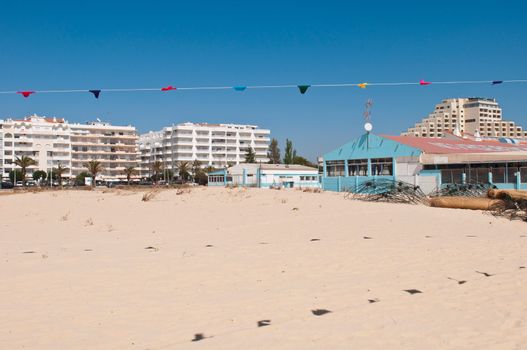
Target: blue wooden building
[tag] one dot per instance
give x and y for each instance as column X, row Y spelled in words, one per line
column 427, row 162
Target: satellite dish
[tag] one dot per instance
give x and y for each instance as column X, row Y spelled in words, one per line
column 368, row 127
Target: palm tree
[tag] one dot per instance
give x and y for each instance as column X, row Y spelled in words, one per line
column 94, row 167
column 24, row 162
column 157, row 167
column 59, row 171
column 129, row 171
column 183, row 169
column 209, row 169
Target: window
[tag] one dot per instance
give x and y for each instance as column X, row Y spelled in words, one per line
column 382, row 166
column 335, row 168
column 358, row 167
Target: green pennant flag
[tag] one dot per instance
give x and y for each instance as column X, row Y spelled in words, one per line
column 303, row 88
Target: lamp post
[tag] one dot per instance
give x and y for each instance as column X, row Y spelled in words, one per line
column 51, row 170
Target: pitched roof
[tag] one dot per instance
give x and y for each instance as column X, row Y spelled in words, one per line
column 446, row 146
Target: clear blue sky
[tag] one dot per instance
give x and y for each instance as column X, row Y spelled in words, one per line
column 113, row 44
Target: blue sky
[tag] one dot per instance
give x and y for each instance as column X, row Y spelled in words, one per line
column 113, row 44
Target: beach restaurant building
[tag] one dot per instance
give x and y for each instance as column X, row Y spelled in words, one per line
column 266, row 176
column 430, row 163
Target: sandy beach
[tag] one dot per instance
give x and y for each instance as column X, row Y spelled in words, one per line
column 255, row 269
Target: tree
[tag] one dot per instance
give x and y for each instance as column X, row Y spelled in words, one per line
column 80, row 179
column 157, row 168
column 39, row 176
column 183, row 170
column 129, row 172
column 209, row 169
column 196, row 167
column 94, row 168
column 24, row 162
column 303, row 161
column 274, row 152
column 250, row 156
column 15, row 175
column 290, row 152
column 59, row 171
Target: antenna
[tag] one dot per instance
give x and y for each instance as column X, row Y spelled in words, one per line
column 367, row 116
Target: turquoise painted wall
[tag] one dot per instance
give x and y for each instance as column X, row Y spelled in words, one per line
column 367, row 146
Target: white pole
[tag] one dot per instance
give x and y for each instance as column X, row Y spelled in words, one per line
column 51, row 171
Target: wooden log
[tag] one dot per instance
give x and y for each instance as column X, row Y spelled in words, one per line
column 466, row 203
column 515, row 195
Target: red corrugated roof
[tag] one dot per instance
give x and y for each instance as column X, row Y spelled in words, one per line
column 443, row 146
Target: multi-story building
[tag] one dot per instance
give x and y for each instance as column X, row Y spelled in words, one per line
column 474, row 115
column 216, row 145
column 46, row 140
column 114, row 146
column 53, row 141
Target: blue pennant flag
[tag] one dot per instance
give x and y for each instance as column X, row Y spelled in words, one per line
column 95, row 93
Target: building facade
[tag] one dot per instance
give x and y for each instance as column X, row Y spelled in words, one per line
column 266, row 176
column 53, row 141
column 114, row 146
column 474, row 115
column 430, row 163
column 217, row 145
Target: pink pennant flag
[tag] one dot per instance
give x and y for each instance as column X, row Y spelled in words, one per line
column 168, row 88
column 25, row 93
column 422, row 82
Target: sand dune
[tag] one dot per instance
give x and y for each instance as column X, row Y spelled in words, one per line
column 235, row 268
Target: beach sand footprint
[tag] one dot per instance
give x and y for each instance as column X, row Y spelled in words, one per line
column 412, row 291
column 198, row 337
column 486, row 274
column 458, row 281
column 263, row 323
column 320, row 312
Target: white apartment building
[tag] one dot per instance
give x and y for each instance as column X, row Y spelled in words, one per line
column 474, row 115
column 217, row 145
column 114, row 146
column 53, row 141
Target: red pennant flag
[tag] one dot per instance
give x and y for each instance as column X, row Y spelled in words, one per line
column 25, row 93
column 422, row 82
column 168, row 88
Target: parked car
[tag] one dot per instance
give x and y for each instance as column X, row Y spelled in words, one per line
column 7, row 185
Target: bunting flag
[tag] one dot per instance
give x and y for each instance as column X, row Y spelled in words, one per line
column 303, row 88
column 95, row 93
column 25, row 93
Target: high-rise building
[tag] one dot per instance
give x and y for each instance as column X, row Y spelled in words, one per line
column 53, row 141
column 473, row 115
column 114, row 146
column 217, row 145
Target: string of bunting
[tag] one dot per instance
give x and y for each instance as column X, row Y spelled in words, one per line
column 303, row 88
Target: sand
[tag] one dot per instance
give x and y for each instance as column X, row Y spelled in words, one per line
column 75, row 273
